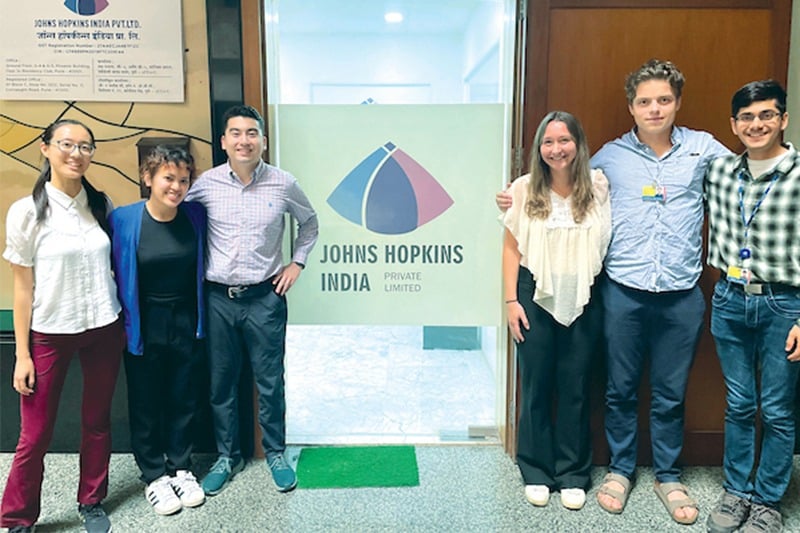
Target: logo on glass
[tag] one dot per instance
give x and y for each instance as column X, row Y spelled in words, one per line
column 389, row 193
column 86, row 7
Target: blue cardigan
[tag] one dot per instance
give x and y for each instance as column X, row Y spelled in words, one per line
column 126, row 226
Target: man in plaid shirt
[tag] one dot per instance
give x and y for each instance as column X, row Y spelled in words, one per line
column 754, row 240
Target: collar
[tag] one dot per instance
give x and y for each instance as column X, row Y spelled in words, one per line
column 675, row 137
column 63, row 199
column 784, row 167
column 258, row 171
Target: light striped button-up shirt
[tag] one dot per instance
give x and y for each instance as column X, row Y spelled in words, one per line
column 656, row 246
column 246, row 222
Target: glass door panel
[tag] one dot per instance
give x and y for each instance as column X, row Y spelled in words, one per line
column 395, row 118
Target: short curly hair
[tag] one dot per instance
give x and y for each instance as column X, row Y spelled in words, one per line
column 654, row 69
column 164, row 155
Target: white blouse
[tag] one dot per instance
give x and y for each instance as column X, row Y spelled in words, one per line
column 563, row 256
column 73, row 288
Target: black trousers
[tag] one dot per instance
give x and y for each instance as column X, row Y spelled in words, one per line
column 252, row 327
column 161, row 395
column 554, row 446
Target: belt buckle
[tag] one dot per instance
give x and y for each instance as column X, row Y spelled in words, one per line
column 234, row 292
column 754, row 288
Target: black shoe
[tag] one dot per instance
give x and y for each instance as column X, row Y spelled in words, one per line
column 94, row 518
column 21, row 529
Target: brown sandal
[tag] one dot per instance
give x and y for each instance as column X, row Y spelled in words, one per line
column 662, row 491
column 621, row 497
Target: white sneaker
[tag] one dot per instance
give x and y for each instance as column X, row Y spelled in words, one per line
column 188, row 490
column 160, row 495
column 573, row 498
column 537, row 495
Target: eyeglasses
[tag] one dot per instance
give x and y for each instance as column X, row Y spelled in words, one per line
column 68, row 147
column 764, row 116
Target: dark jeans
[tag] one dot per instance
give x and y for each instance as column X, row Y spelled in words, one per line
column 554, row 446
column 665, row 327
column 161, row 391
column 253, row 327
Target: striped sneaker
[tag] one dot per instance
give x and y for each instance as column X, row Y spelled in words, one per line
column 160, row 495
column 188, row 490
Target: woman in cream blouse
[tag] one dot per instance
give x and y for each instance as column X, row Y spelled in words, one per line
column 557, row 232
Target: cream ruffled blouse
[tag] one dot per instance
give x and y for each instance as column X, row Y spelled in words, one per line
column 564, row 257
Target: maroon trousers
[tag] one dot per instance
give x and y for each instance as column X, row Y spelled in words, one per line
column 100, row 353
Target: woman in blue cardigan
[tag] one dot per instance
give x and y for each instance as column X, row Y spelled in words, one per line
column 158, row 250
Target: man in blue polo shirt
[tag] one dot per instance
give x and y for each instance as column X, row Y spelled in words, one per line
column 754, row 240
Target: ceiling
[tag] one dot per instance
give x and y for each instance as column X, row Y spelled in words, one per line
column 366, row 16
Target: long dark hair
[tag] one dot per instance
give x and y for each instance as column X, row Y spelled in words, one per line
column 98, row 202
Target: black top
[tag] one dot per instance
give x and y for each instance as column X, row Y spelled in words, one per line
column 167, row 258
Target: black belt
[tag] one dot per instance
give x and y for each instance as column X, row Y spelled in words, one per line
column 757, row 288
column 235, row 292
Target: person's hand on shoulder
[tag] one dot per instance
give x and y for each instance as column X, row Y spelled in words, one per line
column 503, row 199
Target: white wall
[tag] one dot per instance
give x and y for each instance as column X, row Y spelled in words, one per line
column 433, row 61
column 793, row 86
column 481, row 37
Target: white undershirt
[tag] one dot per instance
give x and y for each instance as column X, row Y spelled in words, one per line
column 74, row 289
column 759, row 167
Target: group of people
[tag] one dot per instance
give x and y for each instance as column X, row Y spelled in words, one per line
column 149, row 280
column 607, row 247
column 635, row 211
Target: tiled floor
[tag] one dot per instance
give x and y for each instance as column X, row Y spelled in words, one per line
column 462, row 488
column 361, row 385
column 376, row 384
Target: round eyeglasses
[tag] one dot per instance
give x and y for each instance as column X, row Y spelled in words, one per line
column 68, row 147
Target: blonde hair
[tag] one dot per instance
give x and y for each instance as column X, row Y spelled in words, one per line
column 538, row 205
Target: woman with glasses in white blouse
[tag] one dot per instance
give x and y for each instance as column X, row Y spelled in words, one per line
column 65, row 303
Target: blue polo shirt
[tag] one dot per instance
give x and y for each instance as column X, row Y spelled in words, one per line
column 656, row 245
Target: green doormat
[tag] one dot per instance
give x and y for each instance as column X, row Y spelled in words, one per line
column 358, row 466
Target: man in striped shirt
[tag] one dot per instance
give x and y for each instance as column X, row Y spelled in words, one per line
column 754, row 240
column 246, row 200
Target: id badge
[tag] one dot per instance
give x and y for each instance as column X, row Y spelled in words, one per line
column 738, row 275
column 654, row 193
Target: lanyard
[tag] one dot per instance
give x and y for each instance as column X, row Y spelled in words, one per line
column 746, row 221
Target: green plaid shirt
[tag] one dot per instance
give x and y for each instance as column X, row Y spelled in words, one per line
column 774, row 235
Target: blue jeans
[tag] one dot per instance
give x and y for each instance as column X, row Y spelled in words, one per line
column 750, row 333
column 664, row 327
